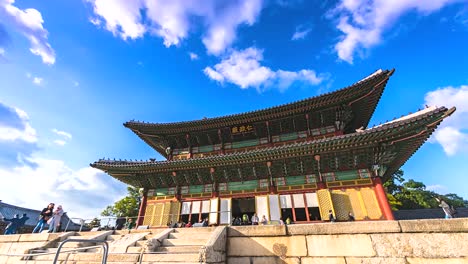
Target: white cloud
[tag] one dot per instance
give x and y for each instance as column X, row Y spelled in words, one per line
column 29, row 23
column 60, row 142
column 171, row 20
column 193, row 56
column 243, row 68
column 76, row 84
column 2, row 52
column 37, row 80
column 452, row 134
column 437, row 188
column 363, row 22
column 300, row 33
column 62, row 133
column 83, row 193
column 20, row 131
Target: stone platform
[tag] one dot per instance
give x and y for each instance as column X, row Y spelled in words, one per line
column 409, row 241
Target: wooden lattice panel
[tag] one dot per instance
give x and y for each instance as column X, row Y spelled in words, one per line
column 149, row 214
column 371, row 203
column 165, row 219
column 158, row 211
column 359, row 210
column 325, row 203
column 341, row 204
column 174, row 211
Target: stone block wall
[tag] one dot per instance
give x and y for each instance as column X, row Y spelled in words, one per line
column 395, row 242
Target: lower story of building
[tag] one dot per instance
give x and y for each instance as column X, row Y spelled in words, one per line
column 365, row 202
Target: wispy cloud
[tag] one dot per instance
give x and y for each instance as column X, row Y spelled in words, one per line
column 301, row 32
column 60, row 142
column 452, row 133
column 193, row 56
column 62, row 133
column 37, row 80
column 76, row 84
column 28, row 22
column 363, row 22
column 171, row 20
column 243, row 69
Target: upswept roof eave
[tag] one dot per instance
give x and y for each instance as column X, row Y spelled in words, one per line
column 107, row 165
column 258, row 114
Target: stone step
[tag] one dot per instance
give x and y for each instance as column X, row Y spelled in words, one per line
column 134, row 249
column 114, row 237
column 184, row 242
column 201, row 235
column 158, row 258
column 179, row 249
column 194, row 229
column 140, row 243
column 85, row 256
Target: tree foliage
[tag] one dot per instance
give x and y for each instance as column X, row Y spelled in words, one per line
column 411, row 194
column 127, row 206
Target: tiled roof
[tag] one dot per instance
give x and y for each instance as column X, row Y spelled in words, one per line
column 315, row 102
column 427, row 115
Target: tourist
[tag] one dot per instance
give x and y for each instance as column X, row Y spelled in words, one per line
column 331, row 217
column 446, row 208
column 130, row 224
column 13, row 225
column 44, row 216
column 54, row 222
column 120, row 222
column 264, row 221
column 351, row 217
column 255, row 219
column 237, row 221
column 189, row 224
column 245, row 219
column 205, row 222
column 288, row 221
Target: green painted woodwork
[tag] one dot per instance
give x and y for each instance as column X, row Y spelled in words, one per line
column 346, row 175
column 161, row 191
column 195, row 189
column 290, row 136
column 245, row 143
column 246, row 185
column 295, row 180
column 208, row 148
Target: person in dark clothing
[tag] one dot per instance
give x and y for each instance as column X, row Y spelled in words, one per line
column 119, row 223
column 45, row 215
column 205, row 222
column 351, row 217
column 331, row 216
column 13, row 225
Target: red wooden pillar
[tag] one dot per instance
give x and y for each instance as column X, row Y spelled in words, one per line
column 141, row 212
column 382, row 199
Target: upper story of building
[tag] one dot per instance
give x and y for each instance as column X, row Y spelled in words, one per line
column 336, row 113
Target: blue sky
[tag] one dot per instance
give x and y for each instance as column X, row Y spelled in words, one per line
column 71, row 72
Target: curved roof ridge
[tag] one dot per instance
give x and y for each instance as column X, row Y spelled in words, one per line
column 397, row 122
column 218, row 118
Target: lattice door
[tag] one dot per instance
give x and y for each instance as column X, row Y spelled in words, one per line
column 371, row 203
column 149, row 214
column 359, row 210
column 341, row 204
column 325, row 203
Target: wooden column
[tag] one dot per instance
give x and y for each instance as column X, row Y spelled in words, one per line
column 214, row 191
column 268, row 133
column 308, row 124
column 382, row 199
column 141, row 212
column 320, row 183
column 271, row 186
column 189, row 144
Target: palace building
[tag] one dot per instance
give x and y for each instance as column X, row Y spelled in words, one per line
column 298, row 161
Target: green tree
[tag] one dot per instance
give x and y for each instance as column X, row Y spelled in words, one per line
column 127, row 206
column 412, row 194
column 96, row 222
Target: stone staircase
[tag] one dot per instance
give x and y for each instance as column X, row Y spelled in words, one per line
column 173, row 247
column 180, row 246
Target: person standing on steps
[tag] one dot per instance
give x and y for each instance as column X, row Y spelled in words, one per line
column 255, row 219
column 45, row 215
column 54, row 222
column 13, row 225
column 331, row 217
